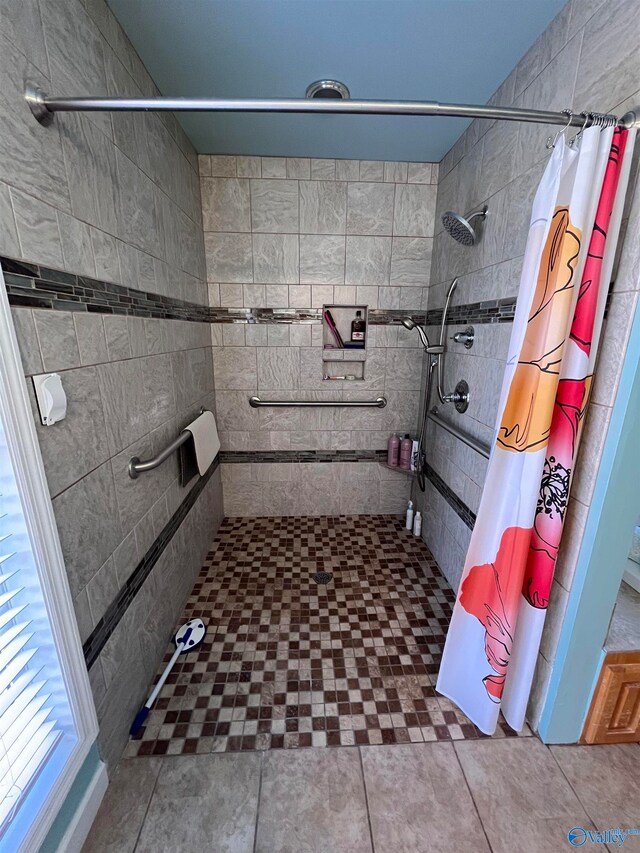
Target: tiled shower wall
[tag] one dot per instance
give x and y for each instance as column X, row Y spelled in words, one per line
column 112, row 197
column 292, row 234
column 587, row 57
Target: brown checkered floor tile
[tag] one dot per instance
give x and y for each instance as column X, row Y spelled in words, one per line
column 289, row 663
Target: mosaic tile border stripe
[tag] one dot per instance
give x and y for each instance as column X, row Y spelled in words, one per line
column 275, row 456
column 98, row 638
column 491, row 311
column 35, row 286
column 451, row 498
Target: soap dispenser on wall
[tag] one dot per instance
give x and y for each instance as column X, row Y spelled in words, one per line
column 51, row 399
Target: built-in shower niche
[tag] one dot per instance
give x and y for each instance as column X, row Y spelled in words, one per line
column 344, row 346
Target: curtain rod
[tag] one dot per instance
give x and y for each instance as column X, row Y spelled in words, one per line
column 44, row 106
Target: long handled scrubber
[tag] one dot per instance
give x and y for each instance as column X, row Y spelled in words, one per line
column 187, row 638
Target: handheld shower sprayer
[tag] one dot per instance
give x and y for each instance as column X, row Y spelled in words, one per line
column 432, row 349
column 459, row 397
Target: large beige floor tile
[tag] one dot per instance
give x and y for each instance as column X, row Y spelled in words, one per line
column 523, row 800
column 313, row 801
column 607, row 781
column 119, row 820
column 204, row 803
column 418, row 800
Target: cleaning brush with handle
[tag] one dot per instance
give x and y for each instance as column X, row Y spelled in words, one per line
column 188, row 637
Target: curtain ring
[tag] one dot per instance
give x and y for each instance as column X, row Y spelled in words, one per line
column 586, row 117
column 551, row 141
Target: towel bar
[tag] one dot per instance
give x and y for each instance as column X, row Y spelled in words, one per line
column 137, row 466
column 378, row 403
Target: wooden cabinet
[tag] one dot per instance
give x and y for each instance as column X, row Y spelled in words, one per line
column 614, row 715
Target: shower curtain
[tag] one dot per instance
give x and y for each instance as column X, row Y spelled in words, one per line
column 494, row 636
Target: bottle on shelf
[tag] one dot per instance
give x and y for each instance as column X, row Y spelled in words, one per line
column 358, row 326
column 405, row 452
column 393, row 450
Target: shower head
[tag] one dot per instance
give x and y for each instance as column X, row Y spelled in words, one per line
column 408, row 323
column 460, row 227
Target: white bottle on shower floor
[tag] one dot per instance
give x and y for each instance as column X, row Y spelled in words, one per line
column 409, row 520
column 417, row 525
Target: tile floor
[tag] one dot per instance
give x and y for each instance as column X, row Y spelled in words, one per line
column 466, row 796
column 291, row 663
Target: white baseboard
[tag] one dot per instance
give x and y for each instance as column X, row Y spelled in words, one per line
column 632, row 575
column 80, row 824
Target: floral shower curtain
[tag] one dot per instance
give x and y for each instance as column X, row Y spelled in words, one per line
column 494, row 635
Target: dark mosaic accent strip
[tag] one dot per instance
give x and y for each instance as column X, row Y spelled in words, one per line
column 375, row 316
column 451, row 498
column 492, row 311
column 94, row 644
column 265, row 315
column 34, row 286
column 233, row 456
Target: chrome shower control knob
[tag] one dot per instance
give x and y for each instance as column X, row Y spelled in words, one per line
column 466, row 337
column 460, row 397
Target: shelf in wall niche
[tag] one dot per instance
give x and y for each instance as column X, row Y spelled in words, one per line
column 339, row 369
column 396, row 468
column 341, row 316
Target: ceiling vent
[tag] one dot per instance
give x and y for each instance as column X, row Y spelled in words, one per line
column 328, row 89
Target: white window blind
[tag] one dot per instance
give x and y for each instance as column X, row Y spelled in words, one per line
column 34, row 708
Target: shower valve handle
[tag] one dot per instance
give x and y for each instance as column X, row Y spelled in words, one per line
column 465, row 337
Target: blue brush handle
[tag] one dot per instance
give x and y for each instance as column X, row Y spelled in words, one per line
column 143, row 713
column 137, row 724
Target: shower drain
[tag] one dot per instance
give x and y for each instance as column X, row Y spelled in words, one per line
column 323, row 577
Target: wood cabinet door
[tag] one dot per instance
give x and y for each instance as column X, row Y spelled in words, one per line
column 614, row 715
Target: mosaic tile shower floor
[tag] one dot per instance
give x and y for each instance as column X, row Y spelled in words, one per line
column 290, row 663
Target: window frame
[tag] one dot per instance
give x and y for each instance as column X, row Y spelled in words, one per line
column 24, row 449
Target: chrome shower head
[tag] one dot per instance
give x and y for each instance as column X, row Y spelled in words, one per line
column 408, row 323
column 460, row 227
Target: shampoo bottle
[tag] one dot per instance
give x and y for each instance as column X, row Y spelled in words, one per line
column 417, row 524
column 358, row 327
column 393, row 449
column 409, row 519
column 414, row 454
column 405, row 452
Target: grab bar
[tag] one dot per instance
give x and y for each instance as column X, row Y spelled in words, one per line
column 378, row 403
column 137, row 466
column 474, row 443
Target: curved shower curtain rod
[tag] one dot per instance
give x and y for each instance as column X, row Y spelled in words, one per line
column 44, row 106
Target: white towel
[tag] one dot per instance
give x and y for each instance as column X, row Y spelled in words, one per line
column 205, row 440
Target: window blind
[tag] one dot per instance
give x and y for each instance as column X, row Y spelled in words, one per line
column 33, row 701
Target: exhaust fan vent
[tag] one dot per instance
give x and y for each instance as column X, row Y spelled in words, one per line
column 328, row 89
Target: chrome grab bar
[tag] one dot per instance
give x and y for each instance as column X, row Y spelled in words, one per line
column 474, row 443
column 378, row 403
column 137, row 466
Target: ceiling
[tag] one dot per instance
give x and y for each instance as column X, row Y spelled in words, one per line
column 444, row 50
